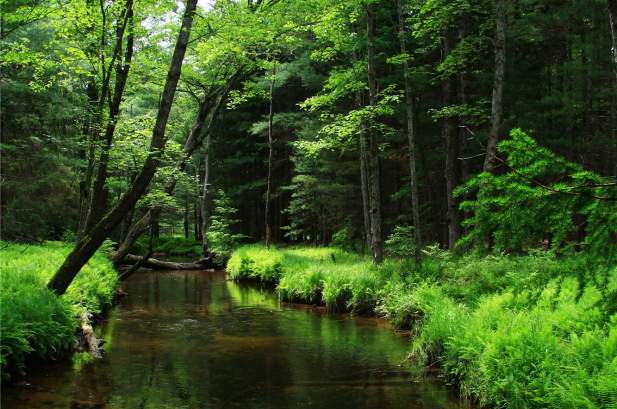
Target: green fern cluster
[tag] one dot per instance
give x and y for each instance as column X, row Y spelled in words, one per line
column 33, row 320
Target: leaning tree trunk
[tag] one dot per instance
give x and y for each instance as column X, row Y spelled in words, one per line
column 411, row 136
column 88, row 245
column 373, row 149
column 195, row 138
column 497, row 102
column 270, row 157
column 98, row 198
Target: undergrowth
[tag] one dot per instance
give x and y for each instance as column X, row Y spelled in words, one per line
column 34, row 322
column 172, row 245
column 534, row 331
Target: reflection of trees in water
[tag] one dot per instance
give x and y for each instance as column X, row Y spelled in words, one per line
column 195, row 340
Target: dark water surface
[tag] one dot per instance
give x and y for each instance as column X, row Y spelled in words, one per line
column 195, row 340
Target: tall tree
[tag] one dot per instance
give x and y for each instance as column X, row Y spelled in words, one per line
column 86, row 247
column 450, row 130
column 373, row 143
column 270, row 155
column 498, row 82
column 411, row 133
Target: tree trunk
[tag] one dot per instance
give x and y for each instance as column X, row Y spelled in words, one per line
column 411, row 136
column 169, row 265
column 612, row 18
column 270, row 154
column 207, row 110
column 373, row 148
column 452, row 171
column 203, row 208
column 497, row 102
column 364, row 180
column 88, row 245
column 98, row 199
column 359, row 99
column 86, row 154
column 186, row 218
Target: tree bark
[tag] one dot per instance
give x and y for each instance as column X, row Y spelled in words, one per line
column 88, row 245
column 497, row 101
column 411, row 136
column 452, row 171
column 270, row 155
column 373, row 143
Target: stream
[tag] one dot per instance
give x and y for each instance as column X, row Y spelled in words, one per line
column 196, row 340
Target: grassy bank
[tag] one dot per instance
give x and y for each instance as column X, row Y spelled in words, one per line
column 33, row 321
column 532, row 331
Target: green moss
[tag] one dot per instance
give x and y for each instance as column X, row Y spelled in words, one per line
column 33, row 320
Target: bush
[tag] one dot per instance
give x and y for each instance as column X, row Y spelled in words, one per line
column 33, row 320
column 221, row 240
column 401, row 242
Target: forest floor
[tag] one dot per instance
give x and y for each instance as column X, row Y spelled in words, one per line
column 510, row 331
column 34, row 322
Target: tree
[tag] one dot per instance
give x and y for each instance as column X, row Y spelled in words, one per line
column 373, row 144
column 409, row 108
column 86, row 247
column 497, row 101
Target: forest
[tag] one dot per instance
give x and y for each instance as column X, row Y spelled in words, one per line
column 448, row 168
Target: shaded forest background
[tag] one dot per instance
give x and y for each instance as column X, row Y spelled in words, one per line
column 306, row 64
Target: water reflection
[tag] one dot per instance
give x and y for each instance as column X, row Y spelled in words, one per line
column 195, row 340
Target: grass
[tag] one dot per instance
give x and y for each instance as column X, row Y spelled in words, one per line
column 34, row 322
column 534, row 331
column 328, row 275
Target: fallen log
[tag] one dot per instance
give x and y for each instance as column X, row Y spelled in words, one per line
column 87, row 340
column 155, row 264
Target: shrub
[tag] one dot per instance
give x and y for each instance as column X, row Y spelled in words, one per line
column 401, row 242
column 220, row 237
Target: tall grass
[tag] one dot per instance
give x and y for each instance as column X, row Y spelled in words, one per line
column 33, row 320
column 535, row 331
column 328, row 275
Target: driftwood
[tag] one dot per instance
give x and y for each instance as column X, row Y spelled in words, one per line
column 87, row 339
column 155, row 264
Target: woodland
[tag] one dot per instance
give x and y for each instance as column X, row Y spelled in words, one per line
column 450, row 166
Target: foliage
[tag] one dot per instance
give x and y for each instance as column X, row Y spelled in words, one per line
column 34, row 321
column 172, row 245
column 541, row 197
column 221, row 239
column 401, row 242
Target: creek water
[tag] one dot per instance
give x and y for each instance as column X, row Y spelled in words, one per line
column 197, row 340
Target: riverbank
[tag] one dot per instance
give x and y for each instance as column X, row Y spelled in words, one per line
column 34, row 322
column 511, row 331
